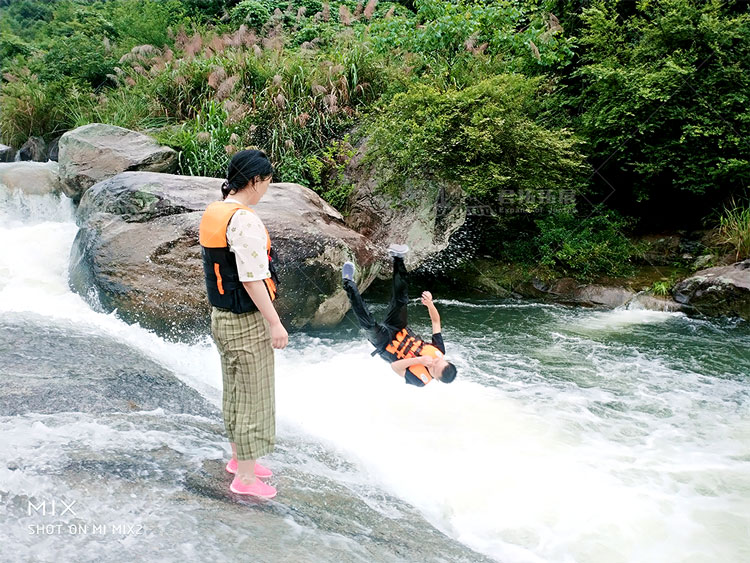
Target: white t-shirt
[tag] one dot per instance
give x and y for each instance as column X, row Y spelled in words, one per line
column 246, row 236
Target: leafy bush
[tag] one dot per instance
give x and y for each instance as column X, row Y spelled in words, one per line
column 148, row 22
column 326, row 173
column 661, row 288
column 585, row 247
column 338, row 196
column 29, row 10
column 663, row 96
column 483, row 137
column 12, row 45
column 449, row 34
column 206, row 9
column 80, row 57
column 253, row 13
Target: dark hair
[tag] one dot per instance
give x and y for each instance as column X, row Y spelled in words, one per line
column 449, row 373
column 244, row 166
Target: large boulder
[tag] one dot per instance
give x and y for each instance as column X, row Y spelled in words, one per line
column 720, row 291
column 53, row 149
column 137, row 251
column 33, row 149
column 95, row 152
column 425, row 216
column 6, row 153
column 30, row 177
column 568, row 290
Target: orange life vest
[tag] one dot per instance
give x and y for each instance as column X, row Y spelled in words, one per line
column 223, row 285
column 406, row 344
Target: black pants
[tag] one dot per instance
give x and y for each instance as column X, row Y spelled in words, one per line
column 380, row 334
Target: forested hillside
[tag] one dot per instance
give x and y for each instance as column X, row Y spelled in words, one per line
column 639, row 109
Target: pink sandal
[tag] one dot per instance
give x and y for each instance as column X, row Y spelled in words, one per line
column 257, row 489
column 260, row 470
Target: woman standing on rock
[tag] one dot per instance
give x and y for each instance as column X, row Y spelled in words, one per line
column 241, row 285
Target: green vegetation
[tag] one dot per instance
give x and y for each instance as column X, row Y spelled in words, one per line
column 636, row 107
column 734, row 229
column 662, row 94
column 483, row 137
column 586, row 247
column 661, row 288
column 205, row 143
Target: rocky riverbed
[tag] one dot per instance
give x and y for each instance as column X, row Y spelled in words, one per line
column 98, row 426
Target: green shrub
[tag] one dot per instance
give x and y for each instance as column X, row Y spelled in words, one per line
column 80, row 57
column 312, row 7
column 326, row 173
column 585, row 247
column 29, row 10
column 483, row 137
column 663, row 97
column 338, row 196
column 451, row 33
column 140, row 22
column 206, row 9
column 253, row 13
column 325, row 34
column 661, row 288
column 12, row 45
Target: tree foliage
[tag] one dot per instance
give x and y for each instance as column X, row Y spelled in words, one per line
column 664, row 95
column 640, row 104
column 484, row 138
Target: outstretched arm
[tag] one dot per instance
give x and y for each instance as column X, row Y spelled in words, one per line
column 434, row 315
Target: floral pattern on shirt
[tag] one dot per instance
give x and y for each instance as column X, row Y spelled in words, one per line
column 246, row 236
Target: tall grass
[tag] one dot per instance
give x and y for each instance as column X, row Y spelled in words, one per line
column 205, row 143
column 119, row 107
column 32, row 108
column 734, row 228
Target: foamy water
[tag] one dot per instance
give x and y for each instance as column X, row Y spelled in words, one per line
column 569, row 436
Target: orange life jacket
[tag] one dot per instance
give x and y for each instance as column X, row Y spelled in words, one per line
column 223, row 285
column 406, row 344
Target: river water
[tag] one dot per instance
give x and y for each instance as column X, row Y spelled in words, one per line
column 570, row 434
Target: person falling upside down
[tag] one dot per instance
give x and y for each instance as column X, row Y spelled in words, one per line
column 417, row 361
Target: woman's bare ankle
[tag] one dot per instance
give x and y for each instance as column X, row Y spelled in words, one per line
column 247, row 479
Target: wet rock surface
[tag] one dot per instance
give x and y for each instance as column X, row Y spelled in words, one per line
column 568, row 290
column 34, row 178
column 719, row 291
column 152, row 480
column 423, row 217
column 97, row 377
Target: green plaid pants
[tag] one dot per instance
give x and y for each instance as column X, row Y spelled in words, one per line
column 247, row 369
